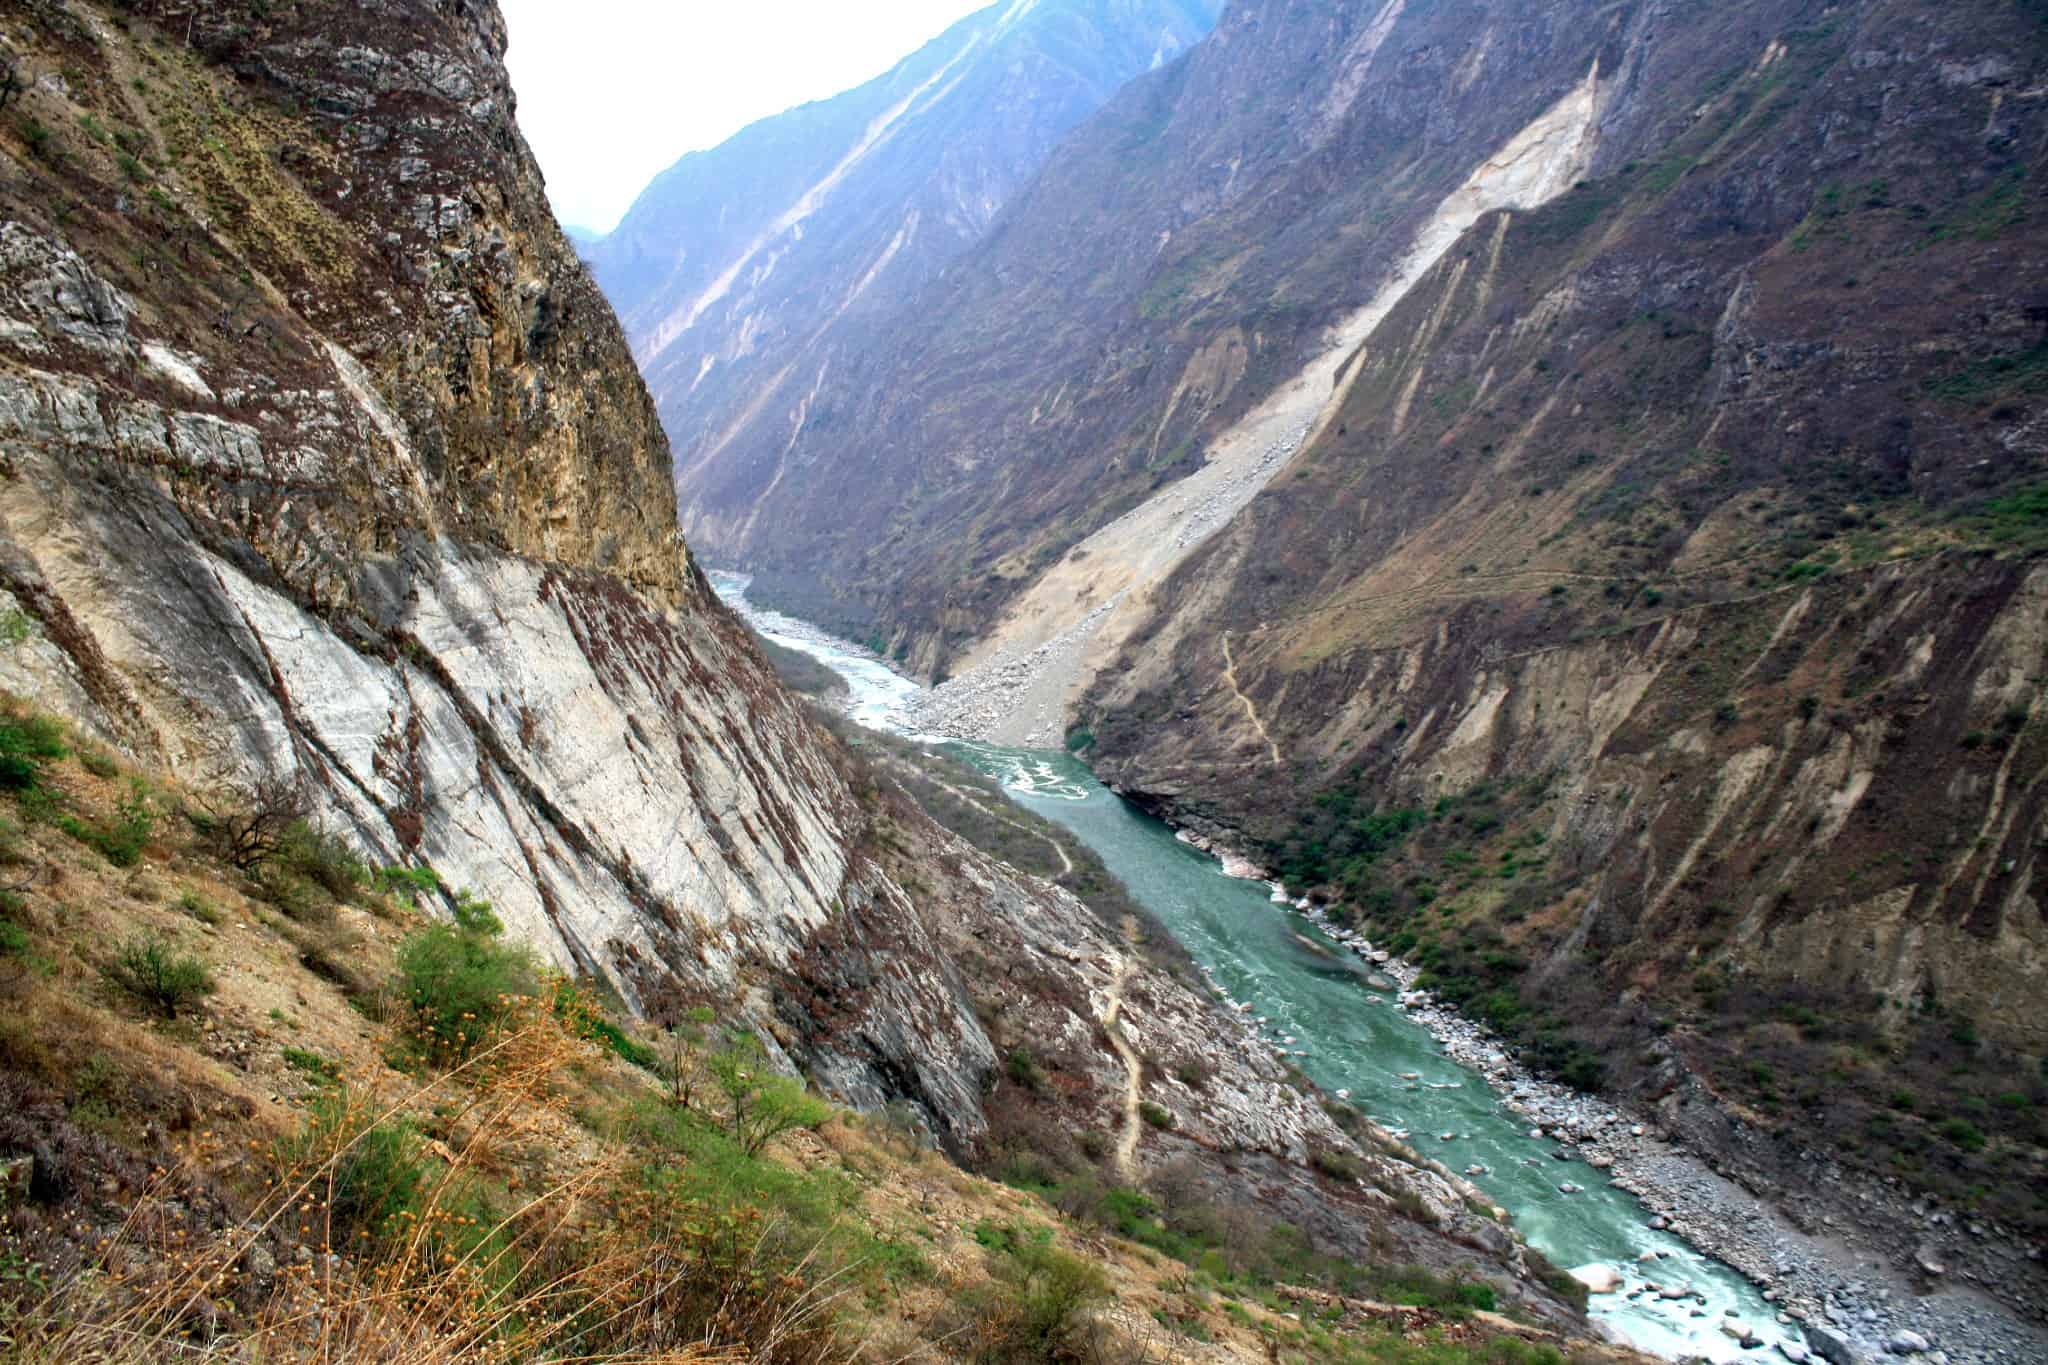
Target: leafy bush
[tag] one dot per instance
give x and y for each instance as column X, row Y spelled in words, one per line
column 1159, row 1116
column 1023, row 1068
column 198, row 907
column 742, row 1239
column 370, row 1174
column 460, row 981
column 760, row 1104
column 1034, row 1306
column 1963, row 1134
column 153, row 971
column 294, row 896
column 409, row 884
column 321, row 1069
column 1335, row 1164
column 583, row 1018
column 323, row 858
column 37, row 137
column 26, row 744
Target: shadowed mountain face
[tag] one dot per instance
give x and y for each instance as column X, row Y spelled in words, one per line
column 735, row 269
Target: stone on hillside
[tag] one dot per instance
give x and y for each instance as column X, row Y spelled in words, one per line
column 1831, row 1345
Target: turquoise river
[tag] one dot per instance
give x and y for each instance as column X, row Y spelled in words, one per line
column 1356, row 1039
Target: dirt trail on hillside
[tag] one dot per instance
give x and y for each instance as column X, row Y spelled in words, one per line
column 1251, row 711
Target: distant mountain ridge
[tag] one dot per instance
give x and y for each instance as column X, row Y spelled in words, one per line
column 736, row 268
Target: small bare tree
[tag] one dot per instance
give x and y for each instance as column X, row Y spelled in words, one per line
column 248, row 832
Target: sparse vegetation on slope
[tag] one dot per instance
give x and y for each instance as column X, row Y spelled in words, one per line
column 452, row 1153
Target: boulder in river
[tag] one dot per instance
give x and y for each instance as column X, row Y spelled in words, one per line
column 1598, row 1279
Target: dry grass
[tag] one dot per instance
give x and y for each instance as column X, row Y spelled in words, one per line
column 584, row 1267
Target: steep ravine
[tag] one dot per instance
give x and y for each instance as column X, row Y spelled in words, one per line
column 1259, row 955
column 324, row 468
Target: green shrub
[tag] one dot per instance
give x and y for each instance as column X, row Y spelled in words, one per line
column 1035, row 1303
column 324, row 1070
column 370, row 1174
column 1159, row 1116
column 408, row 885
column 460, row 981
column 98, row 762
column 1335, row 1164
column 121, row 840
column 761, row 1104
column 1963, row 1134
column 26, row 744
column 1023, row 1068
column 295, row 897
column 37, row 137
column 154, row 972
column 582, row 1017
column 323, row 858
column 198, row 907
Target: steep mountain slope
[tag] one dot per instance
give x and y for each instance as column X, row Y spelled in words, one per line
column 1562, row 480
column 1653, row 637
column 735, row 268
column 1184, row 256
column 327, row 479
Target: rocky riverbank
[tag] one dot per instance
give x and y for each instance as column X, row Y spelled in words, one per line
column 1849, row 1304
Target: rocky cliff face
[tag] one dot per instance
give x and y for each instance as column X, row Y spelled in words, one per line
column 326, row 461
column 321, row 460
column 742, row 273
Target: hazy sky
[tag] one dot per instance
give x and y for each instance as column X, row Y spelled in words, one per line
column 612, row 91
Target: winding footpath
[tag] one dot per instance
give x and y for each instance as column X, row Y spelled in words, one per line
column 1251, row 711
